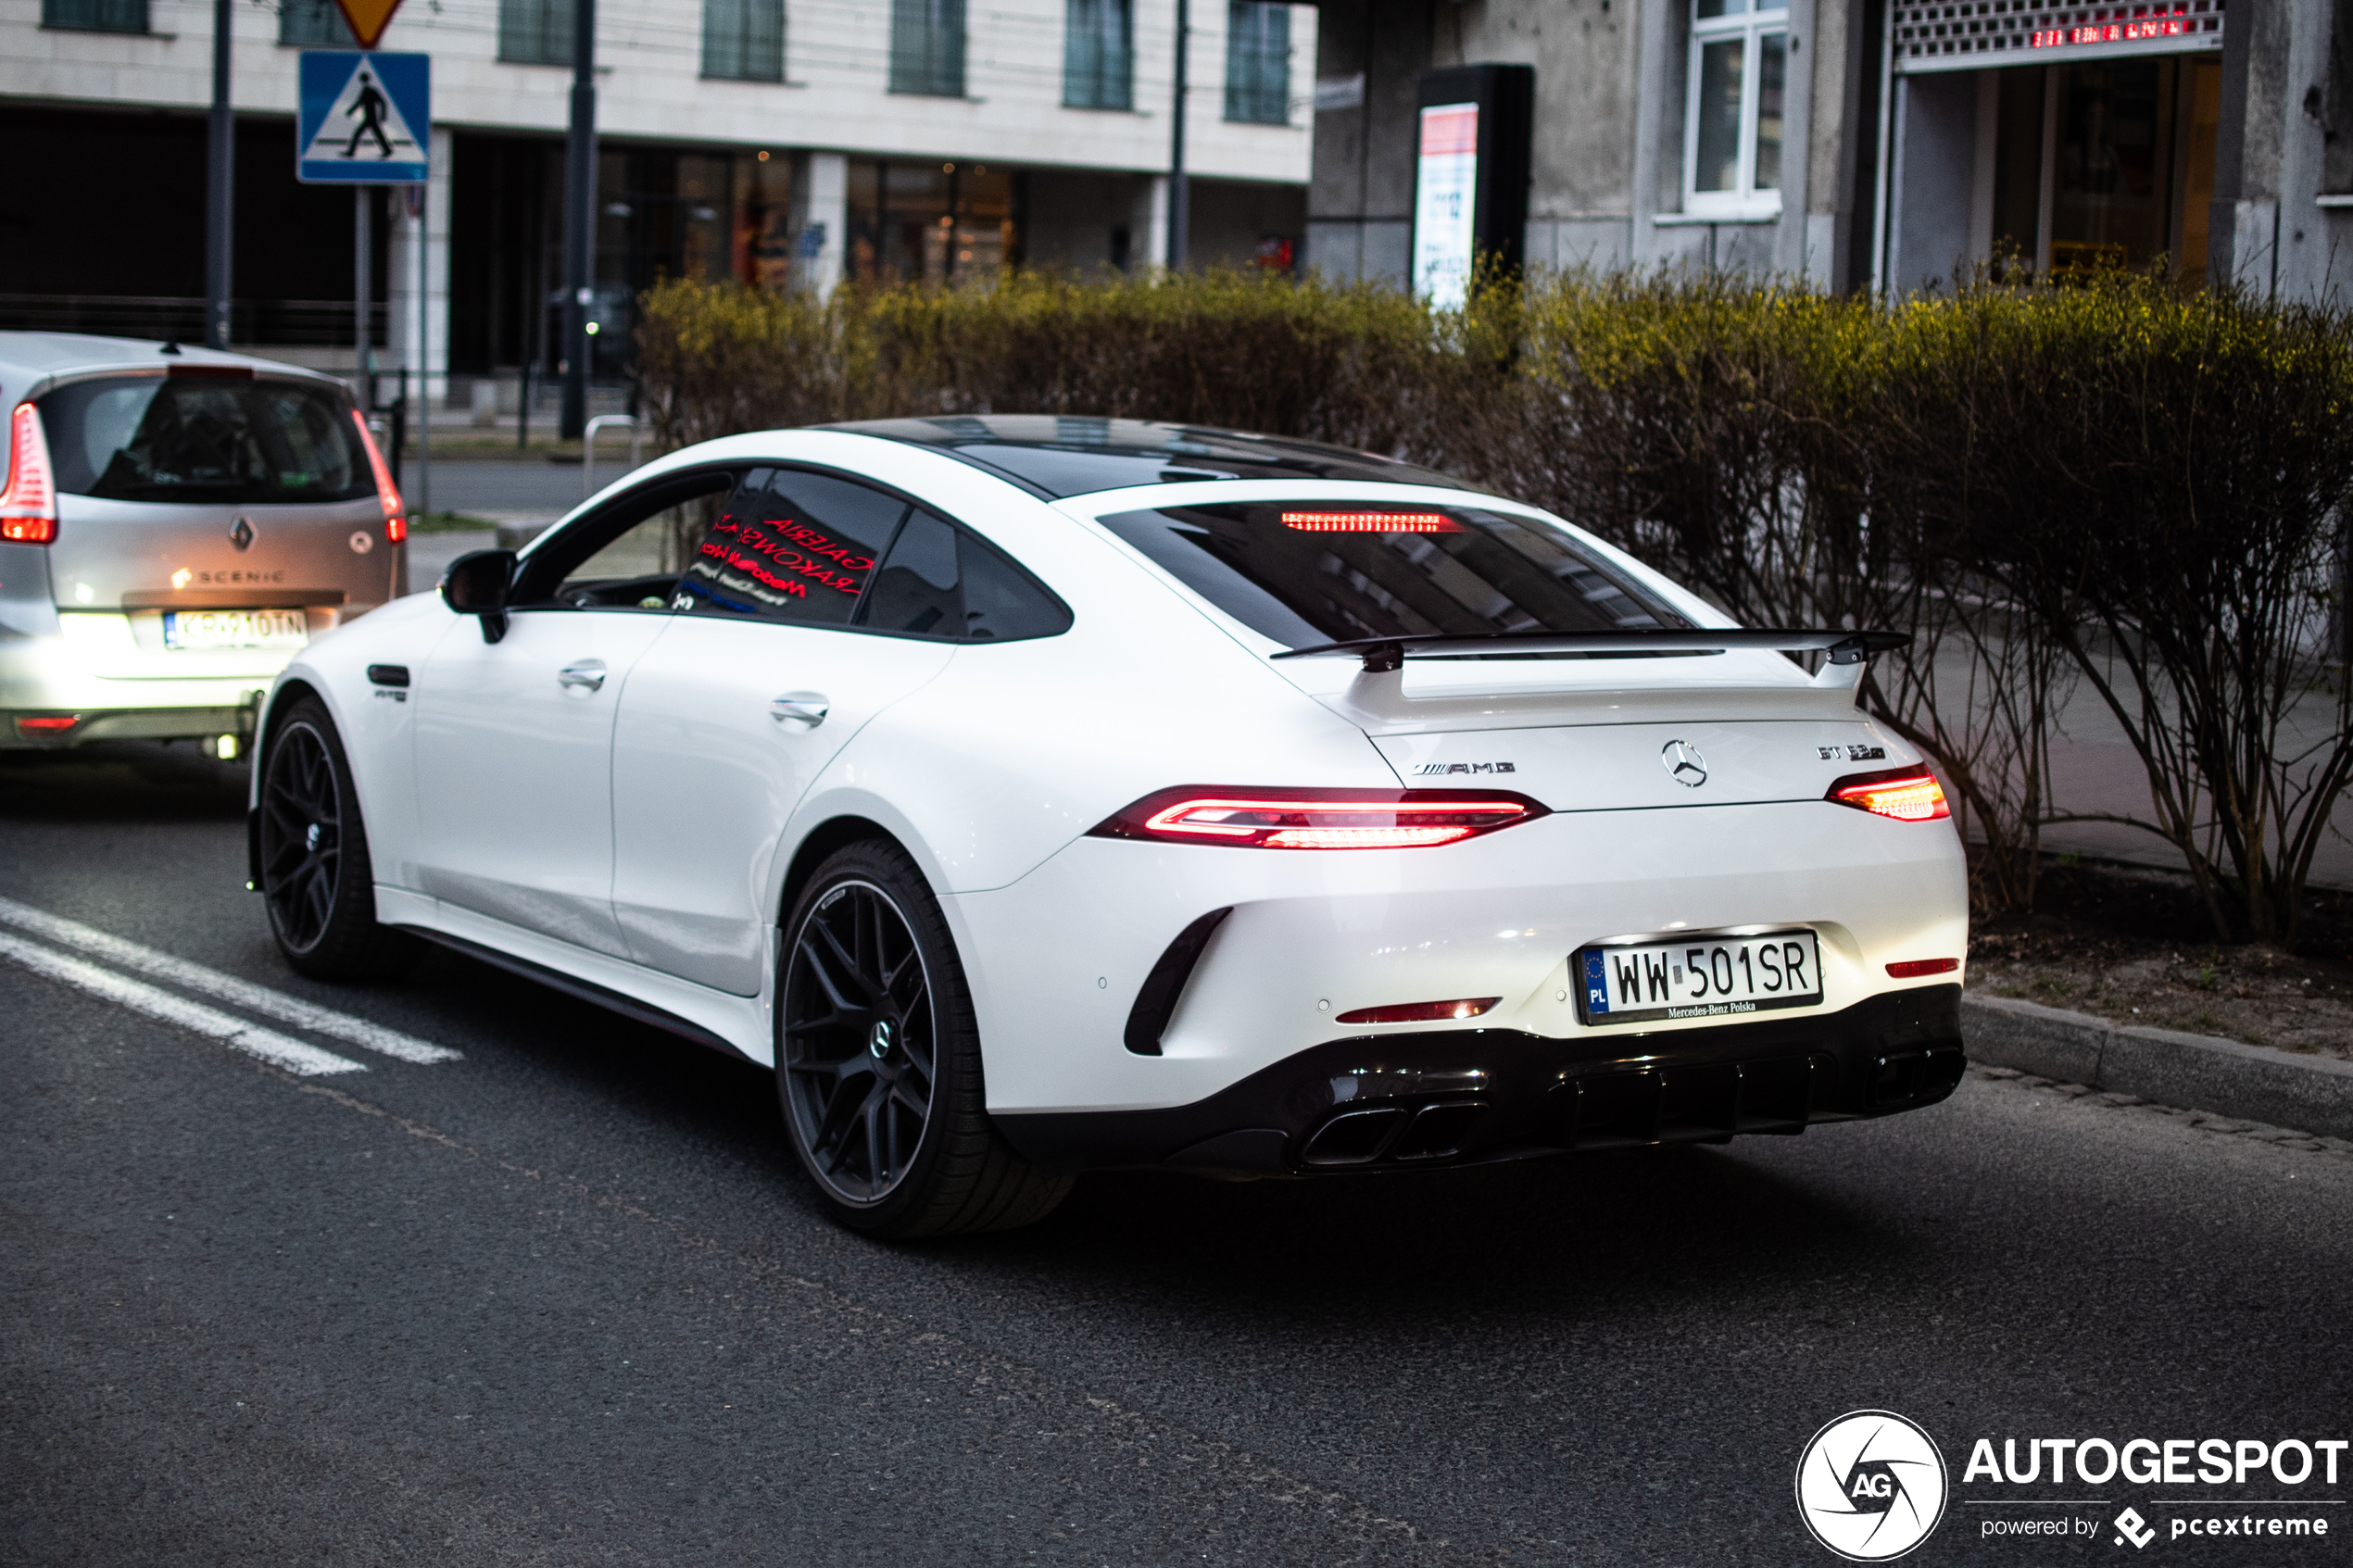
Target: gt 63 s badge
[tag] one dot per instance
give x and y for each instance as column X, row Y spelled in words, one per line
column 1870, row 1486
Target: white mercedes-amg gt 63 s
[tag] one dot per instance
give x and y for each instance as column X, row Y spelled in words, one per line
column 1044, row 795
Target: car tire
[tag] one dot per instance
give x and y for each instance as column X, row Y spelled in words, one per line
column 878, row 1063
column 317, row 881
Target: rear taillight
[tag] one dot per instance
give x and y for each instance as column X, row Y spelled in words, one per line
column 387, row 494
column 1909, row 794
column 29, row 504
column 1318, row 818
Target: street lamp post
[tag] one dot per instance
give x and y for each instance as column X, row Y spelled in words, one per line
column 221, row 156
column 1179, row 199
column 580, row 202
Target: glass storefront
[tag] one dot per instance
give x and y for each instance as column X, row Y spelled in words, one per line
column 2106, row 164
column 931, row 222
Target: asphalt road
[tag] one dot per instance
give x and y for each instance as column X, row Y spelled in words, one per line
column 564, row 1300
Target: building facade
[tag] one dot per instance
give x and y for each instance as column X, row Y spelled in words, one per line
column 785, row 143
column 1870, row 143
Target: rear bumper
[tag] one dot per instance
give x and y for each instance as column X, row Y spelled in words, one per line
column 1476, row 1096
column 132, row 723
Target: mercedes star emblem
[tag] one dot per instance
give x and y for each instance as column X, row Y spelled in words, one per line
column 1684, row 763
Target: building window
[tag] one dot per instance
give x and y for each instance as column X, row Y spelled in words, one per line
column 1098, row 55
column 95, row 16
column 1733, row 125
column 1258, row 62
column 744, row 40
column 536, row 32
column 317, row 23
column 927, row 47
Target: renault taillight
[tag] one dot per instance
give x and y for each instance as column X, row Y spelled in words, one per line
column 387, row 494
column 1318, row 818
column 1907, row 795
column 29, row 504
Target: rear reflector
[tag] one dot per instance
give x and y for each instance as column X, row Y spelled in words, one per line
column 47, row 723
column 1909, row 794
column 1317, row 819
column 1912, row 969
column 1371, row 522
column 1421, row 1013
column 29, row 504
column 387, row 496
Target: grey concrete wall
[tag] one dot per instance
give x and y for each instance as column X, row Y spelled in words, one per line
column 1359, row 193
column 1582, row 161
column 1930, row 171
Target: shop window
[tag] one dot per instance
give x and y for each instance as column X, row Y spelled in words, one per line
column 95, row 16
column 930, row 222
column 1258, row 62
column 744, row 40
column 1098, row 55
column 535, row 33
column 927, row 47
column 1732, row 117
column 2336, row 156
column 316, row 24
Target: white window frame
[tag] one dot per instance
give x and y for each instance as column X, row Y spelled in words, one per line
column 1751, row 27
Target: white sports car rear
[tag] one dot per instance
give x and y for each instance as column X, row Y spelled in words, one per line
column 1042, row 794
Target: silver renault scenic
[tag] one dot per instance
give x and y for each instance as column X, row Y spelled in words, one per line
column 174, row 523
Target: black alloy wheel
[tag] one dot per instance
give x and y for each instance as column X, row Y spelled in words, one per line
column 317, row 879
column 878, row 1060
column 860, row 1042
column 301, row 837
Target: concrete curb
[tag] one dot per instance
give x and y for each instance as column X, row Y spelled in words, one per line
column 2313, row 1094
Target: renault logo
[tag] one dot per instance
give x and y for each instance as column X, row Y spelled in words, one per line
column 1684, row 763
column 241, row 534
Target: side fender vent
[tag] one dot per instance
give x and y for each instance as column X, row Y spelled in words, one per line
column 1156, row 1003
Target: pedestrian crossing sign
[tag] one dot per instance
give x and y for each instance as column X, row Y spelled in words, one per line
column 366, row 118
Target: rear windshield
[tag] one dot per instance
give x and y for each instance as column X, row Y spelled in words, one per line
column 1305, row 573
column 150, row 438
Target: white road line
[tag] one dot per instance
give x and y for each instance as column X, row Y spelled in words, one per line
column 225, row 988
column 279, row 1050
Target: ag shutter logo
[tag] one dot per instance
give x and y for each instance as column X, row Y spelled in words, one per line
column 1870, row 1486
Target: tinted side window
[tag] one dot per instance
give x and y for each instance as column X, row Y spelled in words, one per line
column 917, row 592
column 1003, row 603
column 790, row 546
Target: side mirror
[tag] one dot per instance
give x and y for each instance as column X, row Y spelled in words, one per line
column 476, row 584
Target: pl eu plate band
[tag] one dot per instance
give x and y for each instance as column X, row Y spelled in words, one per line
column 1384, row 654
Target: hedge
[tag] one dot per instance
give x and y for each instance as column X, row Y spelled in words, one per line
column 2114, row 487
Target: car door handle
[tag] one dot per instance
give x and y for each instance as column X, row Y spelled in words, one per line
column 587, row 675
column 799, row 711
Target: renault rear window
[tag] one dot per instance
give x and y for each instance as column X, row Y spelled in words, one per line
column 207, row 439
column 1307, row 573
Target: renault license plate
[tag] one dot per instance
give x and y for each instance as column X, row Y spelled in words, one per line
column 1701, row 976
column 236, row 629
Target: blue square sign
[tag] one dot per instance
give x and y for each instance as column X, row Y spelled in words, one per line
column 366, row 118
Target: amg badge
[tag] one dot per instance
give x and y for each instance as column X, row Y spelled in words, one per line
column 1430, row 769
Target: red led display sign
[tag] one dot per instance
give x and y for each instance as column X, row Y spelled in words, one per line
column 2173, row 25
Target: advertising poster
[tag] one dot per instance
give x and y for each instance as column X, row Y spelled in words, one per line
column 1445, row 191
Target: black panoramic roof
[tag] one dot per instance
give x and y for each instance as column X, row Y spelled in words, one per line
column 1057, row 455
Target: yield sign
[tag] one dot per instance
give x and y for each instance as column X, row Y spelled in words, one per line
column 367, row 18
column 365, row 118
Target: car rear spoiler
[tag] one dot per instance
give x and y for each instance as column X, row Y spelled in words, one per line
column 1384, row 654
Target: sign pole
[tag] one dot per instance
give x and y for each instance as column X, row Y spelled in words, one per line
column 580, row 199
column 424, row 358
column 364, row 290
column 1180, row 194
column 220, row 150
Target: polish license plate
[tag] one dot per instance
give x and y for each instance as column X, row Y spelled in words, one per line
column 1699, row 977
column 236, row 629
